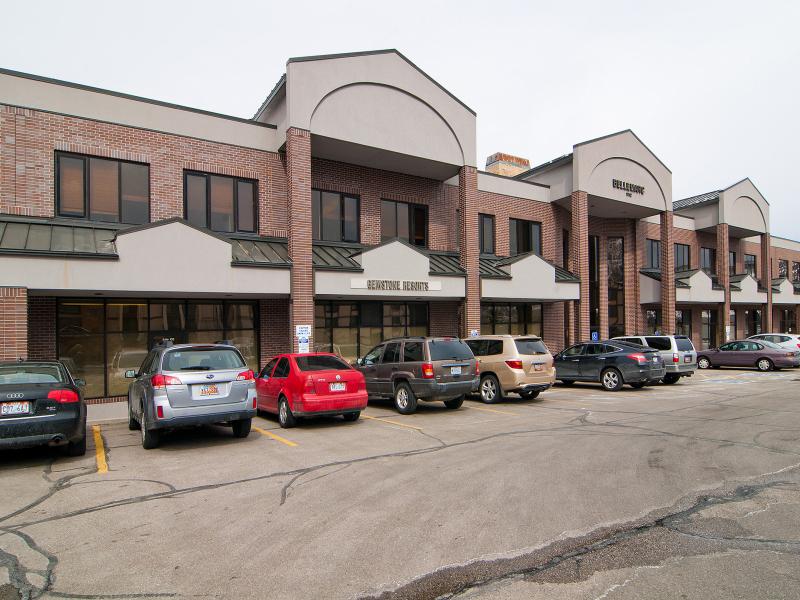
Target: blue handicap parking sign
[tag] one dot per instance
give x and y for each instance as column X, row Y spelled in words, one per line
column 595, row 336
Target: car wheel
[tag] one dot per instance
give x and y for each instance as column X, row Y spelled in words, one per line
column 353, row 416
column 150, row 437
column 765, row 364
column 703, row 363
column 77, row 448
column 241, row 428
column 454, row 403
column 638, row 385
column 671, row 378
column 528, row 395
column 285, row 417
column 404, row 399
column 133, row 424
column 490, row 389
column 611, row 380
column 567, row 382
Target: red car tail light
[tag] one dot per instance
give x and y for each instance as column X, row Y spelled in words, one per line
column 245, row 376
column 160, row 412
column 639, row 358
column 309, row 387
column 160, row 382
column 254, row 402
column 427, row 371
column 676, row 357
column 62, row 396
column 514, row 364
column 477, row 368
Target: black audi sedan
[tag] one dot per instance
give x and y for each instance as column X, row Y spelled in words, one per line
column 611, row 363
column 41, row 404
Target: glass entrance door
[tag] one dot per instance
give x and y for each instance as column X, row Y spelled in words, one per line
column 708, row 329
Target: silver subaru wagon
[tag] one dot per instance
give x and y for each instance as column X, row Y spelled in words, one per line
column 190, row 384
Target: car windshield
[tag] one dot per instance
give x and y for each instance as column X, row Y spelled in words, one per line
column 449, row 350
column 531, row 346
column 202, row 359
column 16, row 374
column 684, row 344
column 321, row 363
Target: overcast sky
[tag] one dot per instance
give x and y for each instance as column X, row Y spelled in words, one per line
column 713, row 88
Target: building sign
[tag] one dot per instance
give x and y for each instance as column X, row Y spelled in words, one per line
column 395, row 285
column 628, row 188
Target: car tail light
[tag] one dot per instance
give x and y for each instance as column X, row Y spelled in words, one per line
column 477, row 368
column 798, row 345
column 362, row 384
column 514, row 364
column 254, row 402
column 160, row 412
column 639, row 358
column 245, row 376
column 160, row 382
column 676, row 357
column 427, row 371
column 309, row 387
column 62, row 396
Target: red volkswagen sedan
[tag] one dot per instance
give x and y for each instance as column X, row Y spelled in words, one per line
column 307, row 385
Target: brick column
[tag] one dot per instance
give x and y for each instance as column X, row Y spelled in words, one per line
column 723, row 278
column 766, row 279
column 468, row 231
column 667, row 274
column 13, row 323
column 579, row 262
column 796, row 318
column 298, row 178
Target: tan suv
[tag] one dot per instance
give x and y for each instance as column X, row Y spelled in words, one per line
column 512, row 363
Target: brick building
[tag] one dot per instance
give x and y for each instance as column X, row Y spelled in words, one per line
column 352, row 203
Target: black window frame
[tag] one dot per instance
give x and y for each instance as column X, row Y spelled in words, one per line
column 796, row 271
column 513, row 238
column 193, row 173
column 412, row 230
column 86, row 159
column 731, row 262
column 782, row 262
column 711, row 254
column 481, row 241
column 748, row 263
column 652, row 253
column 678, row 250
column 342, row 196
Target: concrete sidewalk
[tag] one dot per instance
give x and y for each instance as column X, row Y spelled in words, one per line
column 113, row 411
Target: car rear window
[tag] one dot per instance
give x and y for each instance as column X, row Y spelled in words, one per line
column 684, row 344
column 449, row 350
column 201, row 359
column 770, row 345
column 16, row 374
column 321, row 363
column 531, row 346
column 659, row 343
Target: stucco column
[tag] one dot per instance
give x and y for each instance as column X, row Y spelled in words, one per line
column 468, row 231
column 298, row 179
column 667, row 274
column 579, row 261
column 766, row 278
column 13, row 323
column 723, row 278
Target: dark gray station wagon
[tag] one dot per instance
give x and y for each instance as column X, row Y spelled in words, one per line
column 420, row 368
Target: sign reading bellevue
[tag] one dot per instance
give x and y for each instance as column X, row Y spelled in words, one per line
column 627, row 187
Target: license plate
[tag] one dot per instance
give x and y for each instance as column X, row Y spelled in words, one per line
column 687, row 359
column 538, row 367
column 15, row 408
column 337, row 387
column 210, row 389
column 455, row 370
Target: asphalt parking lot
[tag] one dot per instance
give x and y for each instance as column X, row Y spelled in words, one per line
column 688, row 490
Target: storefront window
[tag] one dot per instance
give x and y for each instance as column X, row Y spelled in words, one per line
column 126, row 339
column 708, row 329
column 594, row 283
column 616, row 286
column 683, row 322
column 80, row 343
column 788, row 320
column 752, row 320
column 516, row 319
column 652, row 321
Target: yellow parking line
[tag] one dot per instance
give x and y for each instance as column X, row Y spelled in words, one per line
column 275, row 437
column 99, row 450
column 382, row 420
column 499, row 412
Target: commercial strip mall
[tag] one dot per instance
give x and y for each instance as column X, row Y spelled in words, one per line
column 352, row 204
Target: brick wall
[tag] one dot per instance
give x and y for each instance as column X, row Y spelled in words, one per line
column 13, row 323
column 274, row 334
column 42, row 328
column 444, row 318
column 579, row 262
column 29, row 139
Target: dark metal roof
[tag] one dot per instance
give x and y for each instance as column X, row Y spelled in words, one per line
column 656, row 275
column 56, row 239
column 698, row 200
column 445, row 263
column 264, row 252
column 332, row 257
column 490, row 268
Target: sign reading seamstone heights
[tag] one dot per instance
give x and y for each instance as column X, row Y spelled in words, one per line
column 627, row 187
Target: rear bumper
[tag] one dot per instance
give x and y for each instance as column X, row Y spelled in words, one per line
column 634, row 375
column 531, row 387
column 338, row 404
column 27, row 432
column 432, row 391
column 684, row 369
column 201, row 419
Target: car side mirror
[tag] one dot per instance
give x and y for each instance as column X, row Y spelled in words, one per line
column 359, row 362
column 130, row 374
column 80, row 382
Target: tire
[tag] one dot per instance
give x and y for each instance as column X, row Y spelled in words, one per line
column 241, row 428
column 528, row 395
column 351, row 417
column 285, row 417
column 150, row 437
column 133, row 424
column 404, row 399
column 764, row 364
column 671, row 378
column 77, row 448
column 611, row 379
column 490, row 390
column 454, row 403
column 567, row 382
column 703, row 362
column 638, row 385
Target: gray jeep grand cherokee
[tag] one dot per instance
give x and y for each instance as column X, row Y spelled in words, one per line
column 420, row 368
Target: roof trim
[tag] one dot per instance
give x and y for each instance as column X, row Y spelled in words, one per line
column 298, row 59
column 514, row 178
column 97, row 90
column 763, row 197
column 169, row 221
column 277, row 88
column 556, row 162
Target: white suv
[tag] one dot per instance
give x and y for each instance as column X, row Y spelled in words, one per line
column 677, row 351
column 790, row 341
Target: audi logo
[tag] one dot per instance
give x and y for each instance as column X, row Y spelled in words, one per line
column 16, row 395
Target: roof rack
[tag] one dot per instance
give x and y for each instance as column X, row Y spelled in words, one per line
column 164, row 343
column 224, row 342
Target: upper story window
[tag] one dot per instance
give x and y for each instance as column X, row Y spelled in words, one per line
column 565, row 248
column 731, row 262
column 100, row 189
column 524, row 236
column 708, row 260
column 220, row 203
column 653, row 254
column 486, row 232
column 405, row 221
column 750, row 264
column 783, row 268
column 682, row 257
column 334, row 217
column 796, row 272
